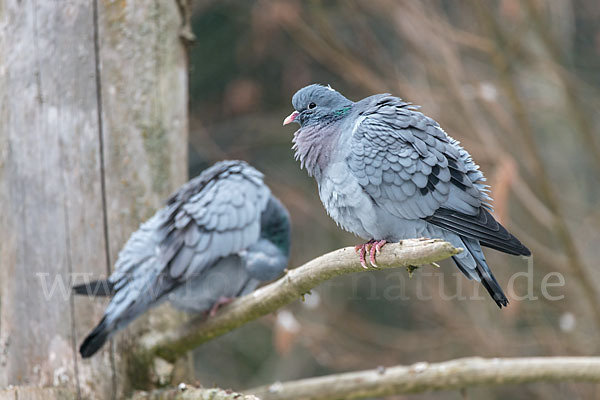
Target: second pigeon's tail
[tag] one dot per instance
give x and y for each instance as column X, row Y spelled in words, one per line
column 129, row 302
column 96, row 339
column 95, row 288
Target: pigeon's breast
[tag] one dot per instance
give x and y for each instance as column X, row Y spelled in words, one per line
column 346, row 202
column 224, row 279
column 355, row 211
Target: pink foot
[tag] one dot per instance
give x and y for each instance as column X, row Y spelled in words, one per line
column 223, row 301
column 373, row 247
column 361, row 250
column 376, row 249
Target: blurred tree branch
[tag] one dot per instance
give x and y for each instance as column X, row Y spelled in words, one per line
column 188, row 392
column 297, row 282
column 503, row 66
column 420, row 377
column 424, row 377
column 573, row 98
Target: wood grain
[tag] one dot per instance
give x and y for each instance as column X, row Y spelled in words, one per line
column 93, row 133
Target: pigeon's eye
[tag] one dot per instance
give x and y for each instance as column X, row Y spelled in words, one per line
column 311, row 106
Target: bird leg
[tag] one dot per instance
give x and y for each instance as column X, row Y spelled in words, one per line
column 373, row 247
column 376, row 249
column 223, row 301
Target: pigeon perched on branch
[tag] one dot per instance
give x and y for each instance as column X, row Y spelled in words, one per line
column 386, row 172
column 219, row 236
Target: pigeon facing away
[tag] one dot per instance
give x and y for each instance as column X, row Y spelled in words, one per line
column 219, row 236
column 386, row 172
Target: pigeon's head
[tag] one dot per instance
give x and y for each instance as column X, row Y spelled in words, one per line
column 314, row 103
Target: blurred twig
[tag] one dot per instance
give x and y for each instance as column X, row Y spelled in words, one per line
column 572, row 98
column 331, row 56
column 424, row 377
column 532, row 203
column 502, row 64
column 541, row 252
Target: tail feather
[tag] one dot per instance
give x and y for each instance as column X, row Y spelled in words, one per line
column 493, row 288
column 95, row 340
column 95, row 288
column 481, row 227
column 125, row 306
column 463, row 268
column 484, row 272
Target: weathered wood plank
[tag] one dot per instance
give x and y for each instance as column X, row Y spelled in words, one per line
column 35, row 393
column 50, row 184
column 144, row 115
column 54, row 126
column 144, row 92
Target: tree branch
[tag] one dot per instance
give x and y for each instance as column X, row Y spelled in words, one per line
column 294, row 284
column 422, row 377
column 187, row 392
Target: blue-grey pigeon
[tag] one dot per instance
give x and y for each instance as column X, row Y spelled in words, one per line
column 386, row 172
column 219, row 236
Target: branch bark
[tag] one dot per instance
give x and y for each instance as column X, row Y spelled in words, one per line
column 188, row 392
column 294, row 284
column 424, row 377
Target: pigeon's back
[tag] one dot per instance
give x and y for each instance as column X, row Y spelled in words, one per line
column 412, row 170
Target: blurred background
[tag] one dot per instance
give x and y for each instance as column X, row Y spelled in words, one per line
column 517, row 82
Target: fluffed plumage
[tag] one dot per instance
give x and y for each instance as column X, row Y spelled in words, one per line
column 220, row 235
column 387, row 172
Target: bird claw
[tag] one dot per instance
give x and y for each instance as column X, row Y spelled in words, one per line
column 223, row 301
column 379, row 245
column 375, row 250
column 372, row 252
column 373, row 247
column 361, row 250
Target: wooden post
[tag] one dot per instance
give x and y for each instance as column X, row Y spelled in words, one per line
column 93, row 137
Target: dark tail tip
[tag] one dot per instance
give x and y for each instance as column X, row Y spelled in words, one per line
column 493, row 287
column 526, row 252
column 490, row 284
column 95, row 288
column 487, row 280
column 95, row 340
column 484, row 273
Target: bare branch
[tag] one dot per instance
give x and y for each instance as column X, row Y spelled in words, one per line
column 188, row 392
column 423, row 377
column 503, row 64
column 297, row 282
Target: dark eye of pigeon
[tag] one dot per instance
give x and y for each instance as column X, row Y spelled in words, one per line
column 311, row 106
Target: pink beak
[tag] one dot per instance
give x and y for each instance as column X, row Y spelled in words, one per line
column 290, row 118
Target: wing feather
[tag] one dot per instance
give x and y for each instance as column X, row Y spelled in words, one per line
column 409, row 166
column 214, row 215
